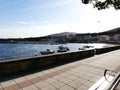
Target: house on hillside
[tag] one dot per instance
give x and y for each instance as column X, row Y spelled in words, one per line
column 103, row 38
column 62, row 37
column 87, row 37
column 111, row 37
column 117, row 37
column 79, row 37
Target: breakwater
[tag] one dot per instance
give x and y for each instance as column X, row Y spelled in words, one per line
column 14, row 66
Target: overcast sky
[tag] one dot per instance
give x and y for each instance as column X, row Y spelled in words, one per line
column 33, row 18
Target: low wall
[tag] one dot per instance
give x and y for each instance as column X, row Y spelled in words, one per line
column 106, row 49
column 25, row 64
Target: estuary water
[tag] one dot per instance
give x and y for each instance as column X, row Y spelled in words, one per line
column 11, row 51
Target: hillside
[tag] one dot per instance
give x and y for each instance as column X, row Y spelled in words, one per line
column 63, row 34
column 112, row 31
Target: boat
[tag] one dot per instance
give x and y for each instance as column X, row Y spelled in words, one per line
column 62, row 49
column 87, row 46
column 47, row 51
column 81, row 48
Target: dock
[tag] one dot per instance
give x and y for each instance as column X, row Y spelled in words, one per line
column 77, row 75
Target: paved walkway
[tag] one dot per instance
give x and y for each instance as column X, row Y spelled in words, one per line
column 79, row 75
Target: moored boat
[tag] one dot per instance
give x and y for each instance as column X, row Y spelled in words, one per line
column 87, row 46
column 81, row 48
column 62, row 49
column 48, row 51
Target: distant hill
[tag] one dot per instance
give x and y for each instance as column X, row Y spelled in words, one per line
column 109, row 32
column 112, row 31
column 63, row 34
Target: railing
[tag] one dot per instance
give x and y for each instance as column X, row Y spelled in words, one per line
column 114, row 82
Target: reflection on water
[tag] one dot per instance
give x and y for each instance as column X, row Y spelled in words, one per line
column 8, row 51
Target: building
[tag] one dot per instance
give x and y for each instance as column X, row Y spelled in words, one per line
column 103, row 38
column 117, row 37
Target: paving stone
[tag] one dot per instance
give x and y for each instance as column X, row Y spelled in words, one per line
column 44, row 77
column 50, row 80
column 8, row 83
column 71, row 77
column 25, row 83
column 57, row 84
column 87, row 77
column 30, row 76
column 95, row 78
column 75, row 84
column 38, row 74
column 21, row 79
column 81, row 80
column 70, row 72
column 31, row 87
column 64, row 80
column 46, row 72
column 58, row 77
column 66, row 87
column 88, row 83
column 41, row 84
column 83, row 87
column 49, row 87
column 64, row 74
column 12, row 87
column 81, row 73
column 53, row 74
column 1, row 87
column 36, row 80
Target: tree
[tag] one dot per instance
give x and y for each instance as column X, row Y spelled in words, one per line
column 103, row 4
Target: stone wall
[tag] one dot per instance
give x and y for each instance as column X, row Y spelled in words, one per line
column 26, row 64
column 106, row 49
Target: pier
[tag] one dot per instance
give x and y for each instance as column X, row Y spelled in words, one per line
column 78, row 70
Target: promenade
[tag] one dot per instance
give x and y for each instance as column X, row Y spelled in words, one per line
column 78, row 75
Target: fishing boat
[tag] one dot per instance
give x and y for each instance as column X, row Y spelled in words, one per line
column 47, row 51
column 87, row 46
column 81, row 48
column 62, row 49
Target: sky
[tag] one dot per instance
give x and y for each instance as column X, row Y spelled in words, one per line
column 34, row 18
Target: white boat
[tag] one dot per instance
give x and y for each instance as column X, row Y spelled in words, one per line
column 48, row 51
column 81, row 48
column 87, row 46
column 62, row 49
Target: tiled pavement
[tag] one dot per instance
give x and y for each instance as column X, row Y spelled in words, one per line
column 79, row 75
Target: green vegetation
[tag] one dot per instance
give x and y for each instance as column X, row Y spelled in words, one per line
column 103, row 4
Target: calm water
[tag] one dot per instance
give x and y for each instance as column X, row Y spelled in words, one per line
column 9, row 51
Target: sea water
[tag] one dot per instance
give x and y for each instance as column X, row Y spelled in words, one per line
column 10, row 51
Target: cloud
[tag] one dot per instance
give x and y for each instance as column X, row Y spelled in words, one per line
column 22, row 22
column 32, row 22
column 25, row 22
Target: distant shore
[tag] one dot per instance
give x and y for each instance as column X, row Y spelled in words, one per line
column 52, row 43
